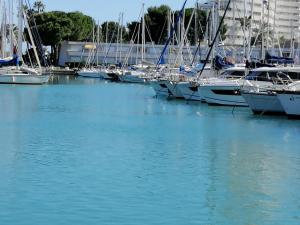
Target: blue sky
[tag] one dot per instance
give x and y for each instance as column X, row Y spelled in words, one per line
column 103, row 10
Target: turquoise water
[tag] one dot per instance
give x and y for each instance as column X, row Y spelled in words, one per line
column 91, row 152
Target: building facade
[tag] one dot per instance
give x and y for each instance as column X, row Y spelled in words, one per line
column 74, row 53
column 114, row 53
column 278, row 20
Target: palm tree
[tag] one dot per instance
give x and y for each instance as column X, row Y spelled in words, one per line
column 39, row 6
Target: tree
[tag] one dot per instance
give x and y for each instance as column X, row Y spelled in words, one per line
column 133, row 29
column 196, row 30
column 223, row 31
column 82, row 26
column 110, row 31
column 39, row 6
column 156, row 19
column 57, row 26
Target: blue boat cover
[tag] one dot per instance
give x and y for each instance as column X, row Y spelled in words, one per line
column 279, row 60
column 221, row 63
column 9, row 62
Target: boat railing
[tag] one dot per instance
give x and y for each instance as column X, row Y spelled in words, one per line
column 232, row 77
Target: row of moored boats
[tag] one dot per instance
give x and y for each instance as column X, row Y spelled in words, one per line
column 266, row 90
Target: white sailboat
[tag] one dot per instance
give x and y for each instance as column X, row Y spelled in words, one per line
column 22, row 74
column 89, row 70
column 132, row 76
column 137, row 73
column 172, row 79
column 191, row 88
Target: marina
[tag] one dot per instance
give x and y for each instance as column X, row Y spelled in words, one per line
column 180, row 117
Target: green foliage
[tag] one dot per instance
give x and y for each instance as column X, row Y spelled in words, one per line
column 82, row 26
column 198, row 26
column 112, row 31
column 57, row 26
column 53, row 27
column 38, row 6
column 156, row 19
column 133, row 28
column 246, row 20
column 223, row 31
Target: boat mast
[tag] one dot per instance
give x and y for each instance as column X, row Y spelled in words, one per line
column 244, row 28
column 3, row 45
column 11, row 26
column 121, row 37
column 250, row 32
column 215, row 38
column 20, row 30
column 170, row 37
column 263, row 53
column 181, row 43
column 118, row 34
column 292, row 50
column 169, row 29
column 268, row 30
column 196, row 23
column 138, row 44
column 143, row 33
column 98, row 43
column 32, row 41
column 106, row 42
column 274, row 24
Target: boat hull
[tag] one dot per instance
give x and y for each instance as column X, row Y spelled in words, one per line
column 189, row 92
column 227, row 95
column 127, row 78
column 173, row 88
column 91, row 74
column 160, row 88
column 23, row 79
column 263, row 103
column 290, row 103
column 104, row 75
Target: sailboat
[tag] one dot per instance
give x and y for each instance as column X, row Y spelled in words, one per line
column 190, row 88
column 174, row 79
column 89, row 70
column 137, row 73
column 15, row 72
column 160, row 80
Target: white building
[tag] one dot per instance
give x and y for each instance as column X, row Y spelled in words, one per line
column 278, row 18
column 72, row 53
column 81, row 52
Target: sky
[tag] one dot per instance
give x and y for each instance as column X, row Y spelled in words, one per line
column 103, row 10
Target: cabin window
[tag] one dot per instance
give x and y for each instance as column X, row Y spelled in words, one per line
column 194, row 89
column 238, row 73
column 253, row 75
column 294, row 75
column 227, row 92
column 263, row 76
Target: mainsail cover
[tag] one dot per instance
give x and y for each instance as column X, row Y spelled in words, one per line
column 9, row 62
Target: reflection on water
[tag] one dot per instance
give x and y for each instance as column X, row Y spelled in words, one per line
column 67, row 79
column 87, row 151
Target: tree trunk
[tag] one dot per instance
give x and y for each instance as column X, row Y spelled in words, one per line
column 52, row 57
column 55, row 54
